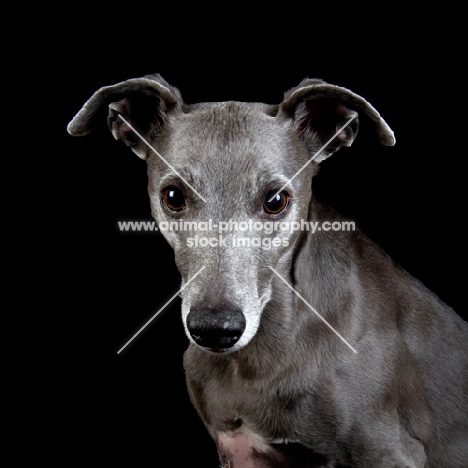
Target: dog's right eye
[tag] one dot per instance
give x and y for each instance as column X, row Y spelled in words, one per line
column 173, row 198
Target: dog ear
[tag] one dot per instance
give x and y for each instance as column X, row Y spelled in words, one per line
column 318, row 110
column 144, row 103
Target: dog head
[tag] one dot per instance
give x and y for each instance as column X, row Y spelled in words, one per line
column 228, row 182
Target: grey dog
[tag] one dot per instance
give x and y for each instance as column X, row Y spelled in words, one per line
column 306, row 349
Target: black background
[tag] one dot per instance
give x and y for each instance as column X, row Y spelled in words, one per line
column 409, row 199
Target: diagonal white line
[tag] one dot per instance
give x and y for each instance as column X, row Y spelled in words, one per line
column 149, row 146
column 313, row 157
column 311, row 308
column 161, row 309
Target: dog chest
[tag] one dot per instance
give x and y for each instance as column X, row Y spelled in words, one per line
column 244, row 448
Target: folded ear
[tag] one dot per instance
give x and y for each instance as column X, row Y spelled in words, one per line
column 319, row 110
column 144, row 103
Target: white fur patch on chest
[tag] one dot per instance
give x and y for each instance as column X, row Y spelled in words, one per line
column 241, row 448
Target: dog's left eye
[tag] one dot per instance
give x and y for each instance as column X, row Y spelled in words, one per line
column 173, row 198
column 275, row 203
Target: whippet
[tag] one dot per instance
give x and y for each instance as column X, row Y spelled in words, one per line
column 305, row 349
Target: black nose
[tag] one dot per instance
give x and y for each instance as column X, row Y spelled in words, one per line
column 216, row 328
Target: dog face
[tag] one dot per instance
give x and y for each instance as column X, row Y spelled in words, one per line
column 227, row 182
column 234, row 155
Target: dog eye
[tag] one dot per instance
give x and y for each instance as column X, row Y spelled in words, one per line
column 173, row 198
column 276, row 205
